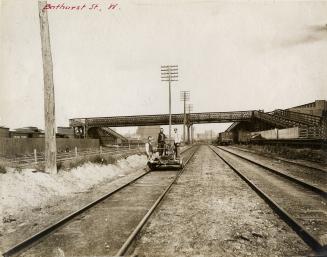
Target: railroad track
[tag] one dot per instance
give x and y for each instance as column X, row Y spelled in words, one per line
column 319, row 189
column 300, row 205
column 307, row 166
column 112, row 218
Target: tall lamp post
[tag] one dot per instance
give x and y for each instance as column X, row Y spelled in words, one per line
column 184, row 96
column 169, row 73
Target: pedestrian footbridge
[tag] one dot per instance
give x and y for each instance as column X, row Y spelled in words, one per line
column 275, row 119
column 162, row 119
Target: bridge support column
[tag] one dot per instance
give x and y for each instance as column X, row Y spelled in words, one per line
column 188, row 135
column 189, row 128
column 85, row 131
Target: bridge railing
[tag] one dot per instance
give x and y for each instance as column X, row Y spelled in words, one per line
column 134, row 120
column 161, row 119
column 220, row 116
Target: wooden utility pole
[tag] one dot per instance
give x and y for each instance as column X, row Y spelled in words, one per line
column 189, row 108
column 169, row 73
column 184, row 96
column 49, row 99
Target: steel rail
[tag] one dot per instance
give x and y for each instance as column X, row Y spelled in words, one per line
column 306, row 236
column 137, row 229
column 46, row 231
column 301, row 165
column 284, row 160
column 315, row 189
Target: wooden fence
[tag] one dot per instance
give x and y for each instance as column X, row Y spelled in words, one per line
column 11, row 147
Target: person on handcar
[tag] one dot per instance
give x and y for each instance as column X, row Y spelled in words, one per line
column 149, row 148
column 161, row 141
column 177, row 142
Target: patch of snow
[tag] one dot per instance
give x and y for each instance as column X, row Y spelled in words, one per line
column 26, row 189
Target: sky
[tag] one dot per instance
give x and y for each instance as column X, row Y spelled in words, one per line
column 232, row 56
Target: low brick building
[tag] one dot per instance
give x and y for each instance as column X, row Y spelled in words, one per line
column 4, row 132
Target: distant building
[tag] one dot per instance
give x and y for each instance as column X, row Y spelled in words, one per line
column 27, row 132
column 34, row 132
column 145, row 131
column 66, row 132
column 4, row 132
column 318, row 108
column 207, row 135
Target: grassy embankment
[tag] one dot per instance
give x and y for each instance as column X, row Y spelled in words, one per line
column 315, row 155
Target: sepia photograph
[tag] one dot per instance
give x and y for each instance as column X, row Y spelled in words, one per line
column 163, row 128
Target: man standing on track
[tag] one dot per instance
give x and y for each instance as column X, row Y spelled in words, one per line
column 161, row 141
column 177, row 142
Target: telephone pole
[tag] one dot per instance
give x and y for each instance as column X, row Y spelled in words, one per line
column 189, row 108
column 185, row 96
column 169, row 73
column 49, row 99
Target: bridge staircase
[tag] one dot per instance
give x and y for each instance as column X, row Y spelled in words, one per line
column 301, row 118
column 109, row 136
column 310, row 126
column 275, row 120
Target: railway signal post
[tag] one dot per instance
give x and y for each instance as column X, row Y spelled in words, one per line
column 169, row 73
column 49, row 99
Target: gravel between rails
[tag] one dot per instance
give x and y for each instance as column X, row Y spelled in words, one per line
column 212, row 212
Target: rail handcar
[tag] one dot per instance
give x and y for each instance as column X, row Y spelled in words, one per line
column 167, row 159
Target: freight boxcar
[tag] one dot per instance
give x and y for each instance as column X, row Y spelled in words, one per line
column 225, row 138
column 243, row 137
